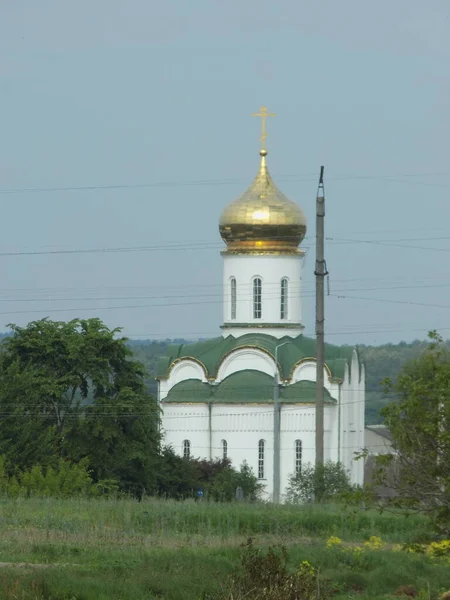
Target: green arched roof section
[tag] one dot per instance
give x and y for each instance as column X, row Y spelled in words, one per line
column 189, row 390
column 212, row 352
column 303, row 391
column 244, row 387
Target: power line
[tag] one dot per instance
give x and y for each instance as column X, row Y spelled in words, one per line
column 294, row 178
column 210, row 245
column 242, row 298
column 204, row 302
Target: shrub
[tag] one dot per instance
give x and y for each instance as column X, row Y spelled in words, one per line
column 264, row 576
column 314, row 485
column 64, row 481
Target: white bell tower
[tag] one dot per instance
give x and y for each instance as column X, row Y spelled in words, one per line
column 262, row 282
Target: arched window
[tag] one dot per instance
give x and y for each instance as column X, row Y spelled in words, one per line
column 298, row 457
column 186, row 449
column 284, row 299
column 224, row 449
column 233, row 297
column 261, row 444
column 257, row 288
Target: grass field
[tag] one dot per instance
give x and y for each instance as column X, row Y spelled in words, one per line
column 83, row 550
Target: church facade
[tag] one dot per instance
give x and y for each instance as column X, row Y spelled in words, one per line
column 218, row 396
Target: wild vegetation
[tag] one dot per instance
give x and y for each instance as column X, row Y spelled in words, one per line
column 75, row 411
column 418, row 471
column 124, row 549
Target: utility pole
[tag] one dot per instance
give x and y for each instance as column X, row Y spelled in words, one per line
column 320, row 274
column 276, row 437
column 276, row 429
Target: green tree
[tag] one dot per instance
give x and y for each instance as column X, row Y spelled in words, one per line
column 181, row 478
column 418, row 470
column 76, row 388
column 322, row 484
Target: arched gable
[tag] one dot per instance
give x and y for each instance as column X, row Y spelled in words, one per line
column 186, row 368
column 245, row 358
column 306, row 369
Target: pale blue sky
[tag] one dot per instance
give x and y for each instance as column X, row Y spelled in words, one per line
column 109, row 92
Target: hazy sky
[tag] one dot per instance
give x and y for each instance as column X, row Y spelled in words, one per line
column 133, row 93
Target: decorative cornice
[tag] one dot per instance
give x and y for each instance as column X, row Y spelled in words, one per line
column 231, row 325
column 261, row 252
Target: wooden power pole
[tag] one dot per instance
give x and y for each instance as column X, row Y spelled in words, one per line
column 320, row 274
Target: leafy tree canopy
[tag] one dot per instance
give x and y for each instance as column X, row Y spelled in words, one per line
column 418, row 471
column 71, row 390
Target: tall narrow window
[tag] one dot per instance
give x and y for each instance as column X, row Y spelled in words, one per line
column 298, row 457
column 257, row 309
column 261, row 459
column 224, row 449
column 186, row 448
column 233, row 297
column 284, row 299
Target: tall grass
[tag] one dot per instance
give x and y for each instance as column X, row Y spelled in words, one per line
column 123, row 549
column 169, row 518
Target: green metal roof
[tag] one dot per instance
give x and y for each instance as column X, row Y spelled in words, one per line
column 244, row 387
column 210, row 353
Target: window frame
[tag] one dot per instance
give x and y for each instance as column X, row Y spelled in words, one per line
column 224, row 449
column 298, row 456
column 186, row 448
column 261, row 459
column 257, row 298
column 284, row 294
column 233, row 297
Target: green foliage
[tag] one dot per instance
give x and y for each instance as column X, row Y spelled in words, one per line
column 326, row 483
column 181, row 478
column 264, row 575
column 64, row 481
column 419, row 470
column 103, row 549
column 72, row 391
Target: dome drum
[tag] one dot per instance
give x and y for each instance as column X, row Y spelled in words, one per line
column 263, row 237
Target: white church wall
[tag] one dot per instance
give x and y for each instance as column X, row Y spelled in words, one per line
column 352, row 419
column 331, row 424
column 344, row 420
column 298, row 423
column 186, row 422
column 243, row 426
column 271, row 269
column 361, row 422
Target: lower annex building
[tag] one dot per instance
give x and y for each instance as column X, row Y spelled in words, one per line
column 217, row 396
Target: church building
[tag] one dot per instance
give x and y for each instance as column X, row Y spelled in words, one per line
column 218, row 396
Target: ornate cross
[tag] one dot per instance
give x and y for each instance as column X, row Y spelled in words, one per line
column 263, row 113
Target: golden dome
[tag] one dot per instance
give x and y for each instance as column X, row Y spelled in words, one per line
column 262, row 219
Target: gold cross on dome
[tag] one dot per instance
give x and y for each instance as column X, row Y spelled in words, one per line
column 263, row 113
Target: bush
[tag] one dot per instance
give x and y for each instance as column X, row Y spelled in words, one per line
column 63, row 481
column 315, row 485
column 182, row 478
column 264, row 576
